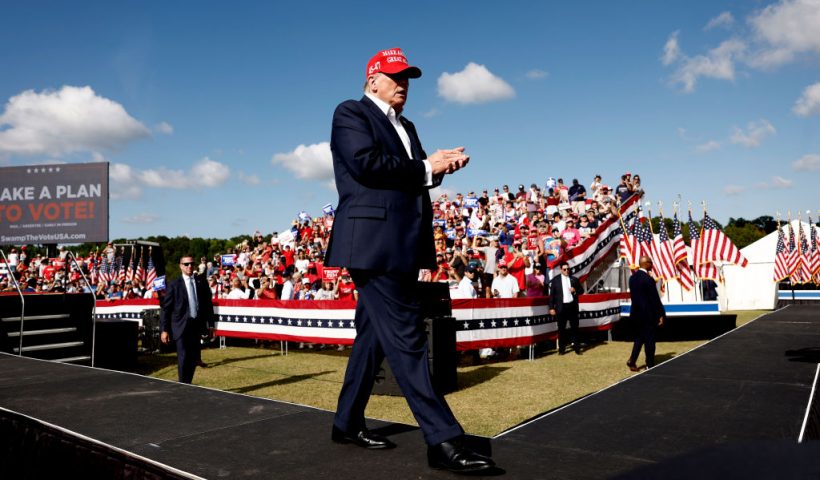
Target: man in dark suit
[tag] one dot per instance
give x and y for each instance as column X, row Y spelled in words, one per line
column 564, row 292
column 646, row 313
column 383, row 234
column 187, row 312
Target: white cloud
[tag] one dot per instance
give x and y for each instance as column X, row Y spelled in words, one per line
column 127, row 182
column 164, row 128
column 810, row 162
column 537, row 74
column 68, row 120
column 142, row 218
column 252, row 180
column 785, row 30
column 474, row 84
column 671, row 51
column 718, row 63
column 708, row 146
column 725, row 19
column 733, row 189
column 204, row 173
column 309, row 162
column 754, row 134
column 780, row 182
column 809, row 102
column 97, row 157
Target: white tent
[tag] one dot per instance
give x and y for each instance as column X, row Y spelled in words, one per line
column 753, row 287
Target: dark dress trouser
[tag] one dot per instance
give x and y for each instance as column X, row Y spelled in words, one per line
column 568, row 313
column 644, row 337
column 389, row 324
column 188, row 353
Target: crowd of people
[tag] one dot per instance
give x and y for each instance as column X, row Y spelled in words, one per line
column 496, row 244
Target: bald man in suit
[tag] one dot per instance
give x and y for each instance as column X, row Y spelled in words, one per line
column 646, row 313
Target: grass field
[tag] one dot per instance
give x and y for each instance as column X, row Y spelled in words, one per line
column 525, row 388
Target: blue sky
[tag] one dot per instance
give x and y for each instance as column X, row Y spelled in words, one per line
column 215, row 115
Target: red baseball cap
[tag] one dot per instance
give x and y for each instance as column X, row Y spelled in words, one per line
column 391, row 61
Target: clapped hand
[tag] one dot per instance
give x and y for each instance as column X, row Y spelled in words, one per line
column 448, row 161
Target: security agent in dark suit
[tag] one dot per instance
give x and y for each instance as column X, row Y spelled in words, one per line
column 383, row 234
column 187, row 312
column 564, row 292
column 646, row 313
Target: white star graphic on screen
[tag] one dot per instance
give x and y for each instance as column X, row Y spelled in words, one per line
column 481, row 324
column 528, row 321
column 299, row 323
column 309, row 323
column 492, row 324
column 466, row 326
column 516, row 322
column 504, row 323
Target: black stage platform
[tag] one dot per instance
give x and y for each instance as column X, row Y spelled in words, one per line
column 730, row 409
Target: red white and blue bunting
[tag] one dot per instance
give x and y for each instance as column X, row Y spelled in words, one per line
column 480, row 323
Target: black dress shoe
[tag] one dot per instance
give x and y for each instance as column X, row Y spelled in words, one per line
column 632, row 366
column 363, row 438
column 456, row 457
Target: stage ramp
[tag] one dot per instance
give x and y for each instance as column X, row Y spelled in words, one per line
column 733, row 408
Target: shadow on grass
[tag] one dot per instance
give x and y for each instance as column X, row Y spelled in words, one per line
column 479, row 375
column 228, row 361
column 150, row 364
column 281, row 381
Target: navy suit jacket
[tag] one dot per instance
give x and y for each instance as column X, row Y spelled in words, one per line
column 557, row 292
column 647, row 308
column 384, row 218
column 174, row 314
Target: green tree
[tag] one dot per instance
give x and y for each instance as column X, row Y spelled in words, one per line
column 744, row 235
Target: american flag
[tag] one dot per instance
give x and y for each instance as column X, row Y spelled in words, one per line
column 129, row 274
column 715, row 245
column 792, row 255
column 119, row 269
column 140, row 270
column 681, row 258
column 630, row 248
column 706, row 271
column 781, row 270
column 645, row 245
column 814, row 255
column 92, row 269
column 151, row 275
column 801, row 272
column 105, row 270
column 665, row 257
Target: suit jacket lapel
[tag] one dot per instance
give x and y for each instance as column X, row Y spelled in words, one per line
column 183, row 291
column 415, row 143
column 386, row 125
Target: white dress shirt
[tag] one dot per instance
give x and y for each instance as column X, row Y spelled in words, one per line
column 566, row 285
column 405, row 138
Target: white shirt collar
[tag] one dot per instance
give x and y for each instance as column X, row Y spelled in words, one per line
column 383, row 106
